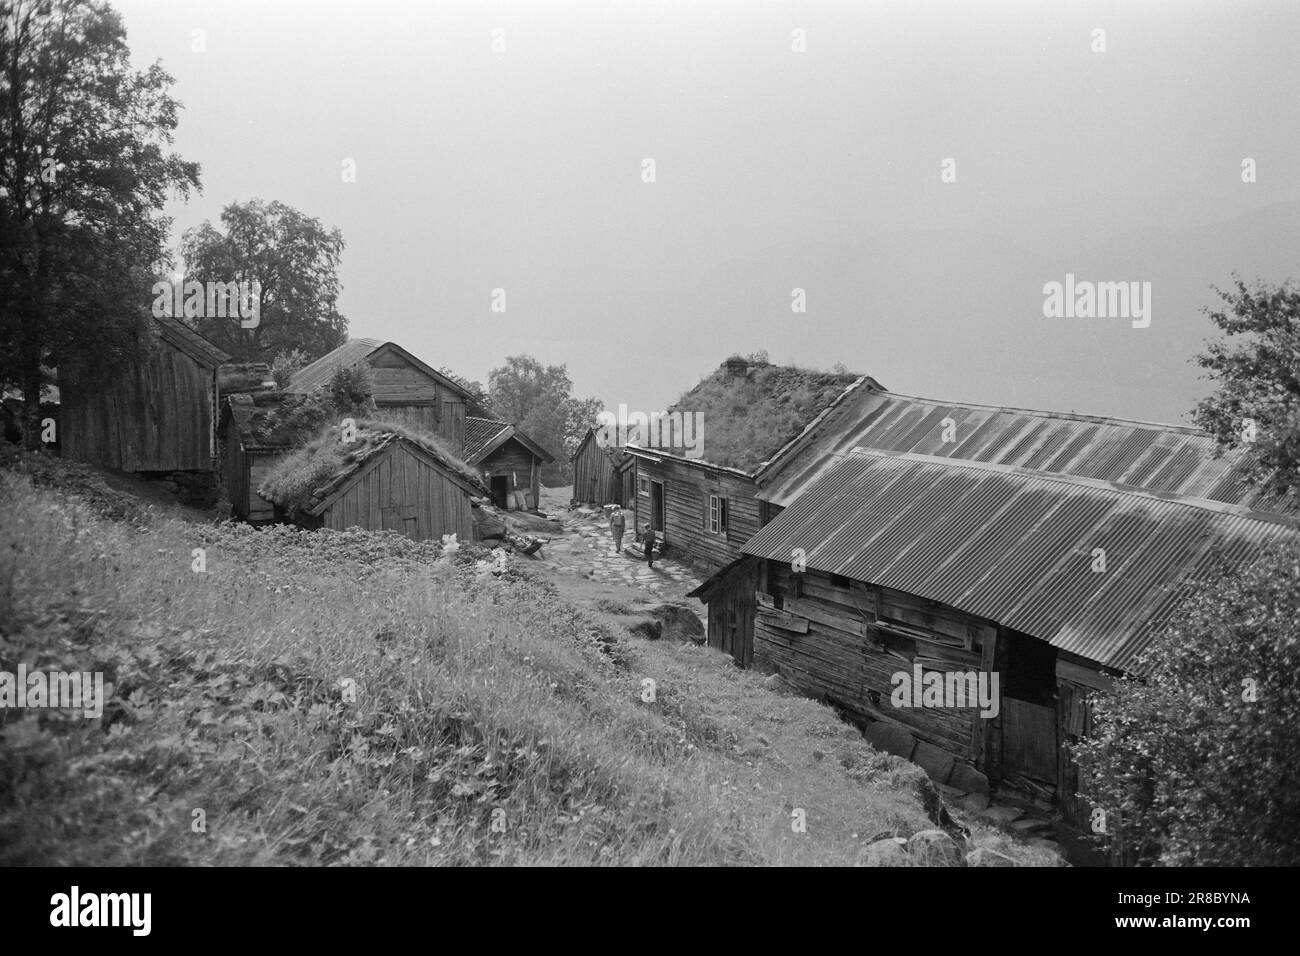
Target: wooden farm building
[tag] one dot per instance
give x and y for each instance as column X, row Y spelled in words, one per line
column 887, row 563
column 598, row 473
column 405, row 388
column 706, row 507
column 156, row 415
column 510, row 461
column 386, row 479
column 1161, row 459
column 249, row 454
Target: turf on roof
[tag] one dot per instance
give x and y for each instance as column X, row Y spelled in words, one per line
column 304, row 479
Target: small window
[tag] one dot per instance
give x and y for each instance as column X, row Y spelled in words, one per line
column 643, row 485
column 839, row 581
column 717, row 514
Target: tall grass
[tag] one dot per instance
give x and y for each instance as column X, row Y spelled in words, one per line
column 492, row 723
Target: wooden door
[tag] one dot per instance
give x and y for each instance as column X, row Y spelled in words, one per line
column 401, row 518
column 657, row 505
column 1029, row 740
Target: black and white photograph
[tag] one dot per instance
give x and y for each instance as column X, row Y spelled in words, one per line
column 651, row 433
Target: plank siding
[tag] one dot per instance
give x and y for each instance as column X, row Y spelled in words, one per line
column 858, row 637
column 519, row 466
column 594, row 478
column 405, row 493
column 156, row 415
column 686, row 510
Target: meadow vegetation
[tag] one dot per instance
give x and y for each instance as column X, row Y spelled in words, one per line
column 492, row 721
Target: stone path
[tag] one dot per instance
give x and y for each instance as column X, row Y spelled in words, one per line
column 586, row 547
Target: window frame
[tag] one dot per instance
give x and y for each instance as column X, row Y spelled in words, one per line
column 717, row 514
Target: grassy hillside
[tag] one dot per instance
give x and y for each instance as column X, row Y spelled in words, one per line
column 473, row 695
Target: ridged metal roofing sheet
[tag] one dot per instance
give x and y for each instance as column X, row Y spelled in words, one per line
column 1017, row 547
column 1167, row 459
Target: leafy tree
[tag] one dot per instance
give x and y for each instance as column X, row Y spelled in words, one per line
column 539, row 400
column 1258, row 383
column 1199, row 764
column 351, row 387
column 285, row 364
column 479, row 405
column 293, row 257
column 84, row 172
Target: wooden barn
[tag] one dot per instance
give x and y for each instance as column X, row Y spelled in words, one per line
column 705, row 508
column 1146, row 456
column 510, row 461
column 248, row 455
column 901, row 570
column 405, row 388
column 391, row 480
column 596, row 476
column 158, row 415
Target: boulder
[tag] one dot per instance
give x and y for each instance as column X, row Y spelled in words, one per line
column 974, row 802
column 651, row 630
column 887, row 852
column 890, row 737
column 966, row 777
column 775, row 682
column 935, row 761
column 679, row 623
column 934, row 848
column 1029, row 824
column 983, row 856
column 1001, row 816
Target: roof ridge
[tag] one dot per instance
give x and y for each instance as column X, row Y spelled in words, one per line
column 1049, row 413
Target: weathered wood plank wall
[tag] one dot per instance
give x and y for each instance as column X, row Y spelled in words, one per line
column 516, row 463
column 403, row 492
column 594, row 480
column 686, row 510
column 158, row 415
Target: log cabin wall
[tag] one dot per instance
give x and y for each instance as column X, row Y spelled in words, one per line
column 408, row 394
column 842, row 641
column 687, row 489
column 518, row 465
column 403, row 491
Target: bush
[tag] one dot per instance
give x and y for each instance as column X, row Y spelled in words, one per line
column 1199, row 763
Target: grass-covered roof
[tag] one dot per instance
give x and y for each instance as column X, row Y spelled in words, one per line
column 307, row 477
column 751, row 409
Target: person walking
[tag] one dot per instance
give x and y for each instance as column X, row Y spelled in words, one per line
column 617, row 524
column 650, row 542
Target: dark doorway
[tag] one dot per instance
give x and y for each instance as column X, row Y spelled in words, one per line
column 657, row 505
column 500, row 491
column 1029, row 744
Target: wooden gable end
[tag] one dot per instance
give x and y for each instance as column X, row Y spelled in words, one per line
column 405, row 491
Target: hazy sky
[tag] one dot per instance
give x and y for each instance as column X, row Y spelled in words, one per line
column 522, row 169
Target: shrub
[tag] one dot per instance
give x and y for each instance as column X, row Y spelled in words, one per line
column 1199, row 763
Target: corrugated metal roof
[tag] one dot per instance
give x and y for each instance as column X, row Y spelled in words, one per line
column 1163, row 458
column 1016, row 546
